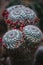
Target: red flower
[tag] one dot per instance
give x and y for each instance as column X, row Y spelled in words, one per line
column 8, row 21
column 17, row 21
column 11, row 23
column 5, row 13
column 0, row 40
column 14, row 24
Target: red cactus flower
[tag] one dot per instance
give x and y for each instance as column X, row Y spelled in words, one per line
column 5, row 13
column 0, row 40
column 11, row 23
column 8, row 21
column 14, row 24
column 17, row 21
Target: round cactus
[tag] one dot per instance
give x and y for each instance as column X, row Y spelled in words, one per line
column 13, row 39
column 19, row 14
